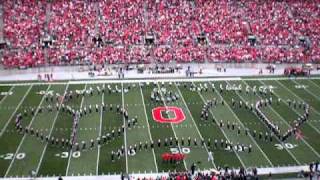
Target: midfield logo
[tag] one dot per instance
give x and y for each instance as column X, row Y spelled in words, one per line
column 162, row 114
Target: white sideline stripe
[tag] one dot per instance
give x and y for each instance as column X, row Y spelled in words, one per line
column 294, row 94
column 175, row 135
column 205, row 146
column 168, row 79
column 53, row 124
column 100, row 131
column 276, row 78
column 261, row 171
column 224, row 134
column 6, row 95
column 70, row 152
column 24, row 136
column 15, row 111
column 263, row 153
column 285, row 122
column 147, row 119
column 125, row 131
column 116, row 81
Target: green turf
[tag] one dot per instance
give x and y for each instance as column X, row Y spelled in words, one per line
column 20, row 154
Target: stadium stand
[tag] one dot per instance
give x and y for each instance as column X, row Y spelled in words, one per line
column 137, row 31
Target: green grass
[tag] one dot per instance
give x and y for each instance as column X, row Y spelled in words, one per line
column 52, row 160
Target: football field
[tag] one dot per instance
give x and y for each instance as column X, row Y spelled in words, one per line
column 83, row 128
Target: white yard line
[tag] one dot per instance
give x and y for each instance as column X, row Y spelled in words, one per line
column 311, row 93
column 6, row 95
column 51, row 129
column 194, row 123
column 316, row 129
column 24, row 136
column 147, row 119
column 224, row 134
column 175, row 135
column 313, row 150
column 291, row 154
column 70, row 152
column 318, row 86
column 125, row 131
column 100, row 132
column 263, row 153
column 15, row 111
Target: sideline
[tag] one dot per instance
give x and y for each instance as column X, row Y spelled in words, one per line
column 150, row 80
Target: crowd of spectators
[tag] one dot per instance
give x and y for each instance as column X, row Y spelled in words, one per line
column 223, row 174
column 101, row 31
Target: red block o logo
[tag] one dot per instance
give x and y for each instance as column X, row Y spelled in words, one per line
column 178, row 113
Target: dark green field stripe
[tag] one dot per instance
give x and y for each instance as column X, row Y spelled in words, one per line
column 42, row 122
column 213, row 131
column 226, row 114
column 159, row 131
column 197, row 153
column 88, row 129
column 4, row 89
column 113, row 120
column 317, row 81
column 253, row 123
column 302, row 152
column 10, row 141
column 308, row 131
column 9, row 105
column 53, row 164
column 134, row 105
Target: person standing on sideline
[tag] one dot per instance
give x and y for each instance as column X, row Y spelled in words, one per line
column 210, row 156
column 193, row 168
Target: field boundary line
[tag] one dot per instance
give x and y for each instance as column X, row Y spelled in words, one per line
column 125, row 131
column 154, row 79
column 15, row 111
column 276, row 78
column 254, row 141
column 70, row 152
column 3, row 99
column 294, row 94
column 100, row 132
column 51, row 129
column 24, row 136
column 195, row 124
column 147, row 119
column 175, row 135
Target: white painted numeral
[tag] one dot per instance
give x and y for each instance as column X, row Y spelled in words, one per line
column 10, row 156
column 183, row 150
column 21, row 156
column 64, row 155
column 286, row 145
column 132, row 152
column 75, row 154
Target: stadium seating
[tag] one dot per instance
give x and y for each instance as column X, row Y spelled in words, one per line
column 281, row 31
